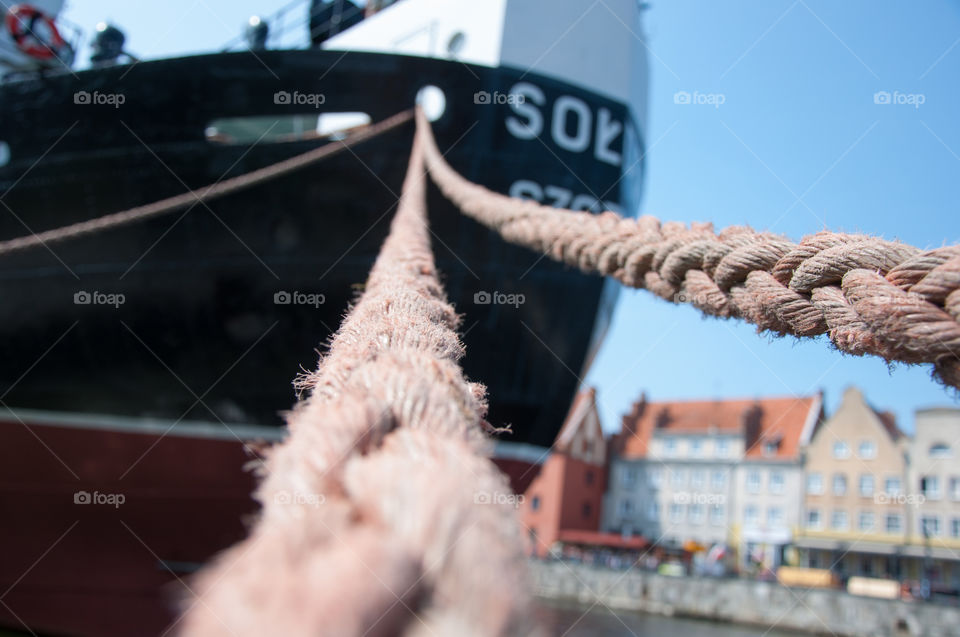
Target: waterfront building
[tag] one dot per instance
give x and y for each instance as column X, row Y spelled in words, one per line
column 562, row 504
column 686, row 473
column 932, row 494
column 856, row 519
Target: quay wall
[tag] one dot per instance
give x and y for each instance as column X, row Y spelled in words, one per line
column 814, row 611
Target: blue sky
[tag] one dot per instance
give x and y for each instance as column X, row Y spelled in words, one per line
column 798, row 145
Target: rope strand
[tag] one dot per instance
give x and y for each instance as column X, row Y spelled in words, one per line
column 380, row 514
column 869, row 295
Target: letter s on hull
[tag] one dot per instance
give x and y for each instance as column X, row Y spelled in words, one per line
column 526, row 108
column 573, row 126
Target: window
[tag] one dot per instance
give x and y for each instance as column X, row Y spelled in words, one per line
column 892, row 485
column 841, row 450
column 814, row 483
column 894, row 523
column 670, row 447
column 867, row 449
column 940, row 450
column 718, row 480
column 930, row 526
column 716, row 514
column 813, row 519
column 676, row 512
column 535, row 503
column 696, row 447
column 656, row 477
column 753, row 481
column 954, row 488
column 838, row 520
column 697, row 478
column 629, row 477
column 653, row 509
column 751, row 515
column 865, row 521
column 930, row 485
column 586, row 510
column 774, row 516
column 723, row 447
column 955, row 527
column 776, row 482
column 770, row 447
column 588, row 477
column 839, row 484
column 626, row 507
column 866, row 485
column 678, row 477
column 696, row 513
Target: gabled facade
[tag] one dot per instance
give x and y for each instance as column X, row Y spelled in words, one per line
column 855, row 506
column 567, row 493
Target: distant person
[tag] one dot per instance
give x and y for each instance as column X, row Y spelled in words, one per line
column 330, row 17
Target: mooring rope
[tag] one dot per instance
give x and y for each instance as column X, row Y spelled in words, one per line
column 204, row 194
column 870, row 295
column 381, row 515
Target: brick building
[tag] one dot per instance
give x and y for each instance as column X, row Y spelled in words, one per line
column 562, row 504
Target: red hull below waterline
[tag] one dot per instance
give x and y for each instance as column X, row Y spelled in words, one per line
column 103, row 520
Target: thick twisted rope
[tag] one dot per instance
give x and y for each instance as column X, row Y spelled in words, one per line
column 869, row 295
column 204, row 194
column 380, row 513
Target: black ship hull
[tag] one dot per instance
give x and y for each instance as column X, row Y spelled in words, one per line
column 185, row 316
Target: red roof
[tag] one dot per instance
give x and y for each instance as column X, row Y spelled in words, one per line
column 596, row 538
column 780, row 420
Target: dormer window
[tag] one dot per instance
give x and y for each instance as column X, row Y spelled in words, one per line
column 940, row 450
